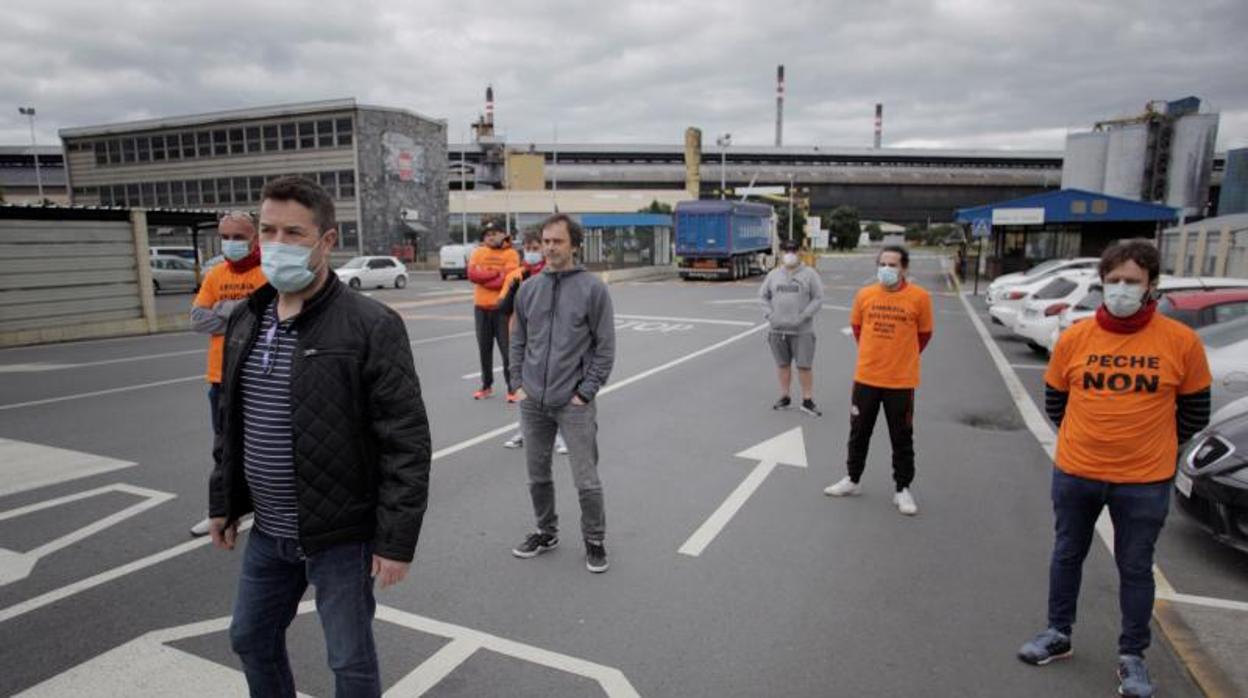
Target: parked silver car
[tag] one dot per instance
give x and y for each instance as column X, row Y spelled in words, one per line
column 171, row 273
column 373, row 272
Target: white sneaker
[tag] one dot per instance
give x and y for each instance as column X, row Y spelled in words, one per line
column 516, row 441
column 561, row 446
column 905, row 502
column 201, row 528
column 845, row 487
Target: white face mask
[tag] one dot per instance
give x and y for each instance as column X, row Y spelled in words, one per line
column 1123, row 299
column 789, row 259
column 889, row 276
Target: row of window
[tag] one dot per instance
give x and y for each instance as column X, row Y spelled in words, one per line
column 222, row 142
column 222, row 191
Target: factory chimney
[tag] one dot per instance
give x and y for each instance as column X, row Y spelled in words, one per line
column 780, row 105
column 879, row 123
column 489, row 105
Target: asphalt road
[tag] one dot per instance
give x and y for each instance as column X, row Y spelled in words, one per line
column 796, row 595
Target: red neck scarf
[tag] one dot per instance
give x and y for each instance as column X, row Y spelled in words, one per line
column 1126, row 325
column 246, row 263
column 532, row 269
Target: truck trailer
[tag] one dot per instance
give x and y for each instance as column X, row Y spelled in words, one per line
column 722, row 239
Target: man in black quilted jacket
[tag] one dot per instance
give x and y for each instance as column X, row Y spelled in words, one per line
column 325, row 439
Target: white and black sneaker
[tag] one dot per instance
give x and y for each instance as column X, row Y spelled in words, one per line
column 808, row 406
column 782, row 404
column 595, row 557
column 535, row 544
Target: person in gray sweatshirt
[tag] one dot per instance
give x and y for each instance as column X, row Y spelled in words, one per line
column 792, row 295
column 562, row 350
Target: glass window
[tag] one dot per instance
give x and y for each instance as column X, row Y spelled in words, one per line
column 203, row 144
column 192, row 193
column 219, row 144
column 253, row 139
column 288, row 137
column 307, row 134
column 223, row 191
column 148, row 195
column 1229, row 311
column 132, row 195
column 162, row 194
column 1078, row 206
column 348, row 235
column 127, row 150
column 106, row 196
column 346, row 184
column 177, row 193
column 1057, row 288
column 1100, row 206
column 173, row 146
column 188, row 145
column 236, row 141
column 143, row 146
column 101, row 153
column 355, row 263
column 114, row 152
column 270, row 138
column 158, row 147
column 241, row 195
column 208, row 192
column 325, row 134
column 257, row 186
column 345, row 131
column 328, row 181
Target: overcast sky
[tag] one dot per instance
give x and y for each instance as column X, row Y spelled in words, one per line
column 951, row 73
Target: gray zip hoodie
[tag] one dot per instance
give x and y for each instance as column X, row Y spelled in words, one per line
column 563, row 337
column 791, row 299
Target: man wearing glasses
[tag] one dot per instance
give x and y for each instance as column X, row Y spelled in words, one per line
column 324, row 436
column 223, row 288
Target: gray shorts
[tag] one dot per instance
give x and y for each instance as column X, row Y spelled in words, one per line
column 792, row 348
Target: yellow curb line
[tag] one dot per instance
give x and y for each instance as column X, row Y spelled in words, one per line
column 1203, row 669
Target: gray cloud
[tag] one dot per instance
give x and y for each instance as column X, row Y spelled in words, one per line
column 951, row 73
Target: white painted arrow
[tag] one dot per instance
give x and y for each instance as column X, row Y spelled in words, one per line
column 788, row 448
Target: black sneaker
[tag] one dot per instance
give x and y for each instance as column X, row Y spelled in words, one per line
column 808, row 406
column 1049, row 645
column 535, row 544
column 782, row 404
column 596, row 557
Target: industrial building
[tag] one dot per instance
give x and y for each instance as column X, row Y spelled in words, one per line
column 386, row 168
column 21, row 182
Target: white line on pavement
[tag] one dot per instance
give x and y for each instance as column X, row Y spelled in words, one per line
column 1030, row 367
column 430, row 340
column 30, row 368
column 836, row 307
column 470, row 376
column 735, row 301
column 700, row 321
column 94, row 393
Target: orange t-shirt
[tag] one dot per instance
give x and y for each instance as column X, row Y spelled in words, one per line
column 503, row 260
column 888, row 347
column 223, row 284
column 1120, row 423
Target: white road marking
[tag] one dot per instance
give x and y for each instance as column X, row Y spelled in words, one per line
column 32, row 368
column 694, row 320
column 444, row 292
column 736, row 301
column 1205, row 601
column 26, row 466
column 836, row 307
column 15, row 566
column 787, row 448
column 847, row 331
column 95, row 393
column 470, row 376
column 430, row 340
column 1030, row 367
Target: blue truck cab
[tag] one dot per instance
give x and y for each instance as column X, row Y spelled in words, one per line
column 722, row 239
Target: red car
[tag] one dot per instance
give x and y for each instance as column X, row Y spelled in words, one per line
column 1200, row 308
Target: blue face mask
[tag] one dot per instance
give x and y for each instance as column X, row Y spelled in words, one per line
column 532, row 258
column 286, row 266
column 889, row 276
column 235, row 250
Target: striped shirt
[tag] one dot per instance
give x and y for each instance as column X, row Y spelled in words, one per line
column 268, row 438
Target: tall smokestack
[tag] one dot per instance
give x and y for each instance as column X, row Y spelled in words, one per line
column 489, row 105
column 879, row 123
column 780, row 105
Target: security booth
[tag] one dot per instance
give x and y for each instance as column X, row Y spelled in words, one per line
column 617, row 240
column 1021, row 233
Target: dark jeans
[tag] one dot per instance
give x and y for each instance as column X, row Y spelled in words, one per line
column 214, row 402
column 1138, row 512
column 899, row 412
column 491, row 330
column 274, row 576
column 579, row 426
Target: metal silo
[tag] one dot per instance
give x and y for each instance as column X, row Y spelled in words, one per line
column 1191, row 162
column 1083, row 165
column 1125, row 160
column 1234, row 197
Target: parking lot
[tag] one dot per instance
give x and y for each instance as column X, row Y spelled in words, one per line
column 106, row 446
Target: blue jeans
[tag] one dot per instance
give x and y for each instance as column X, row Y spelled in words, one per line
column 1138, row 512
column 274, row 576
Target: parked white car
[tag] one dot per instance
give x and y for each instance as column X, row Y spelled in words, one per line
column 171, row 273
column 1226, row 346
column 453, row 260
column 1009, row 304
column 373, row 272
column 997, row 290
column 1040, row 313
column 1086, row 306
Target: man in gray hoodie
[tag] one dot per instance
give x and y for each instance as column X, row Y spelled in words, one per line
column 792, row 295
column 562, row 351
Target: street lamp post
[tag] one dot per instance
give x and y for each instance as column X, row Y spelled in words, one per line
column 790, row 206
column 29, row 112
column 723, row 142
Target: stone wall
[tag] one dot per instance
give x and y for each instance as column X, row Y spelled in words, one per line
column 402, row 187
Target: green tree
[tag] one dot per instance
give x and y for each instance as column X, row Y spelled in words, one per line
column 844, row 228
column 782, row 222
column 874, row 230
column 656, row 206
column 914, row 233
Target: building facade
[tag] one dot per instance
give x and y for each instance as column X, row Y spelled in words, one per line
column 385, row 168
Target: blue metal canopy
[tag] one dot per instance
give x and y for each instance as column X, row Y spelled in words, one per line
column 624, row 220
column 1075, row 206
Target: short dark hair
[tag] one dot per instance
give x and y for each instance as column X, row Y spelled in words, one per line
column 575, row 232
column 491, row 225
column 789, row 246
column 905, row 254
column 532, row 235
column 1142, row 252
column 306, row 192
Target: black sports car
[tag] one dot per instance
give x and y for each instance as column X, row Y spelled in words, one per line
column 1212, row 479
